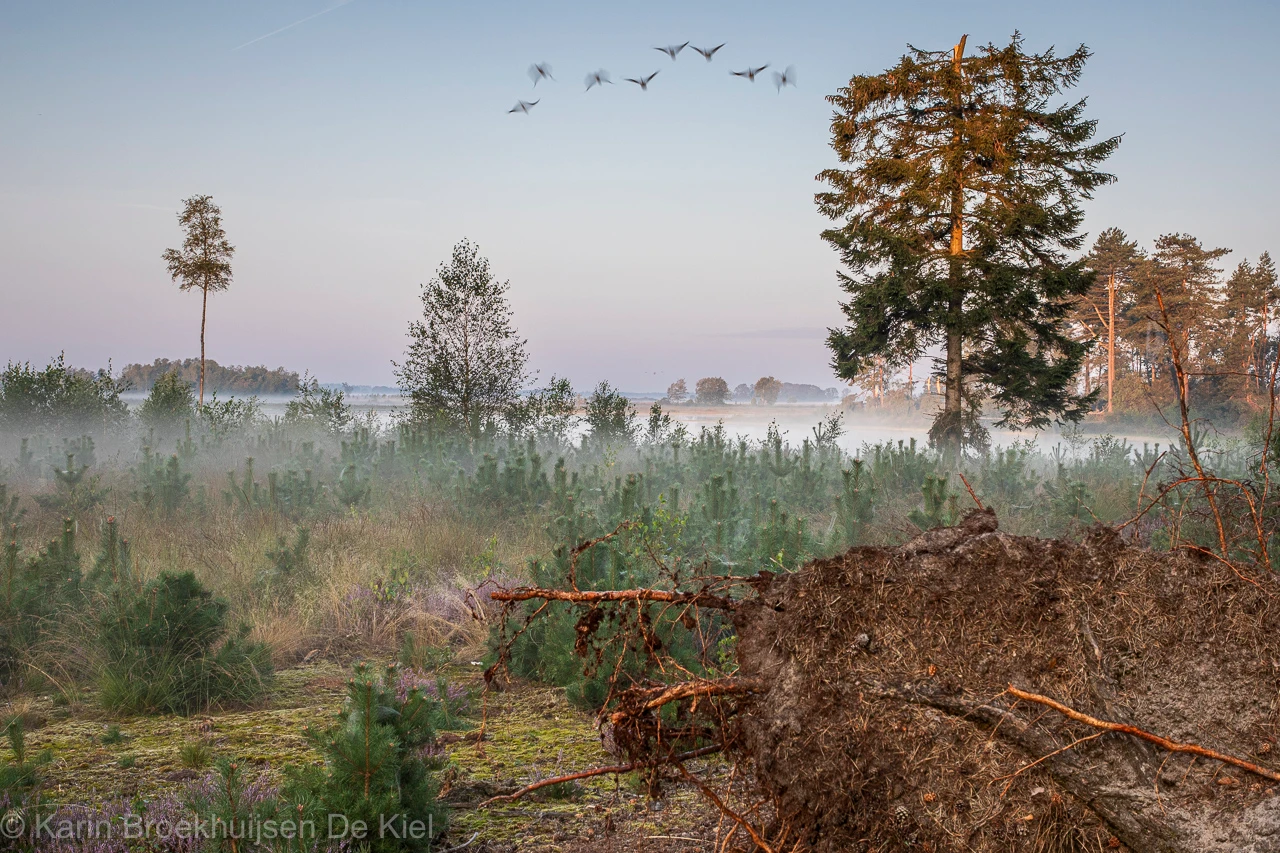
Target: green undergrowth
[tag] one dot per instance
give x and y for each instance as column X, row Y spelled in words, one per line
column 532, row 733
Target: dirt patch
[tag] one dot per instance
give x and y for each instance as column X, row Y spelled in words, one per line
column 887, row 725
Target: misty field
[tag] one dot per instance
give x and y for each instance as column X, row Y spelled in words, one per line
column 186, row 599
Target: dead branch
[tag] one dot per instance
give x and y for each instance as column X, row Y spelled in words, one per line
column 660, row 696
column 602, row 771
column 969, row 488
column 1185, row 422
column 1163, row 743
column 527, row 593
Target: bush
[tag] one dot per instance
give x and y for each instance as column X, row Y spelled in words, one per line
column 35, row 593
column 609, row 417
column 59, row 399
column 170, row 402
column 379, row 761
column 320, row 407
column 167, row 649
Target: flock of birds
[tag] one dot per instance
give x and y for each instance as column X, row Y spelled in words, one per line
column 542, row 71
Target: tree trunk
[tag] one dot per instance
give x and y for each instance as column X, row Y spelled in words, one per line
column 204, row 313
column 952, row 408
column 1111, row 339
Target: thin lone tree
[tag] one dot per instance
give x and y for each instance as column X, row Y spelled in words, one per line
column 204, row 261
column 958, row 206
column 465, row 365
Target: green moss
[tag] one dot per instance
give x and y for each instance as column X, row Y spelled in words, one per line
column 532, row 731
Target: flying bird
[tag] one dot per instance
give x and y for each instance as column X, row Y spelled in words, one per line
column 672, row 49
column 538, row 70
column 750, row 73
column 597, row 78
column 707, row 54
column 643, row 82
column 786, row 78
column 523, row 106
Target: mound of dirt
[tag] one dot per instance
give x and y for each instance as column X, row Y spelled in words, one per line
column 888, row 724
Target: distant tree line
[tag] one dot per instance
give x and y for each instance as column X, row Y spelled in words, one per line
column 233, row 379
column 767, row 391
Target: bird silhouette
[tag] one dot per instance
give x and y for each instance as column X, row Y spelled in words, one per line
column 708, row 53
column 643, row 82
column 597, row 78
column 786, row 78
column 672, row 49
column 750, row 73
column 538, row 70
column 523, row 106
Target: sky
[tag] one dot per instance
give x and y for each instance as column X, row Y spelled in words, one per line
column 647, row 236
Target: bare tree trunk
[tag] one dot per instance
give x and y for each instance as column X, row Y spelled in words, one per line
column 1111, row 339
column 204, row 313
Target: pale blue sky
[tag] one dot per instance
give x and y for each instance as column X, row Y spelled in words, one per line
column 647, row 236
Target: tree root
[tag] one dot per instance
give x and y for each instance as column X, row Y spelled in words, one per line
column 1163, row 743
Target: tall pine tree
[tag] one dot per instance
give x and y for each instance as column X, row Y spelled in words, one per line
column 1115, row 260
column 957, row 208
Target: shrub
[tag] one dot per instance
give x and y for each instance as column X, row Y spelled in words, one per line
column 320, row 407
column 380, row 760
column 20, row 774
column 35, row 592
column 290, row 565
column 75, row 491
column 227, row 797
column 59, row 398
column 170, row 402
column 165, row 486
column 609, row 417
column 167, row 649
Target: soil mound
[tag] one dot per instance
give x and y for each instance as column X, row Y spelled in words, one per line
column 888, row 724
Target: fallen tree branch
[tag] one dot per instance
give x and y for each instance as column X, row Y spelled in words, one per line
column 660, row 696
column 602, row 771
column 527, row 593
column 1163, row 743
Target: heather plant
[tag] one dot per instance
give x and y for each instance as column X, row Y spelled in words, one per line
column 232, row 799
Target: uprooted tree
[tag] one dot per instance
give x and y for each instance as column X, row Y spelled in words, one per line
column 969, row 690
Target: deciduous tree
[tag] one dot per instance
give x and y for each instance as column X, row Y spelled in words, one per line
column 465, row 365
column 678, row 391
column 204, row 261
column 767, row 390
column 712, row 391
